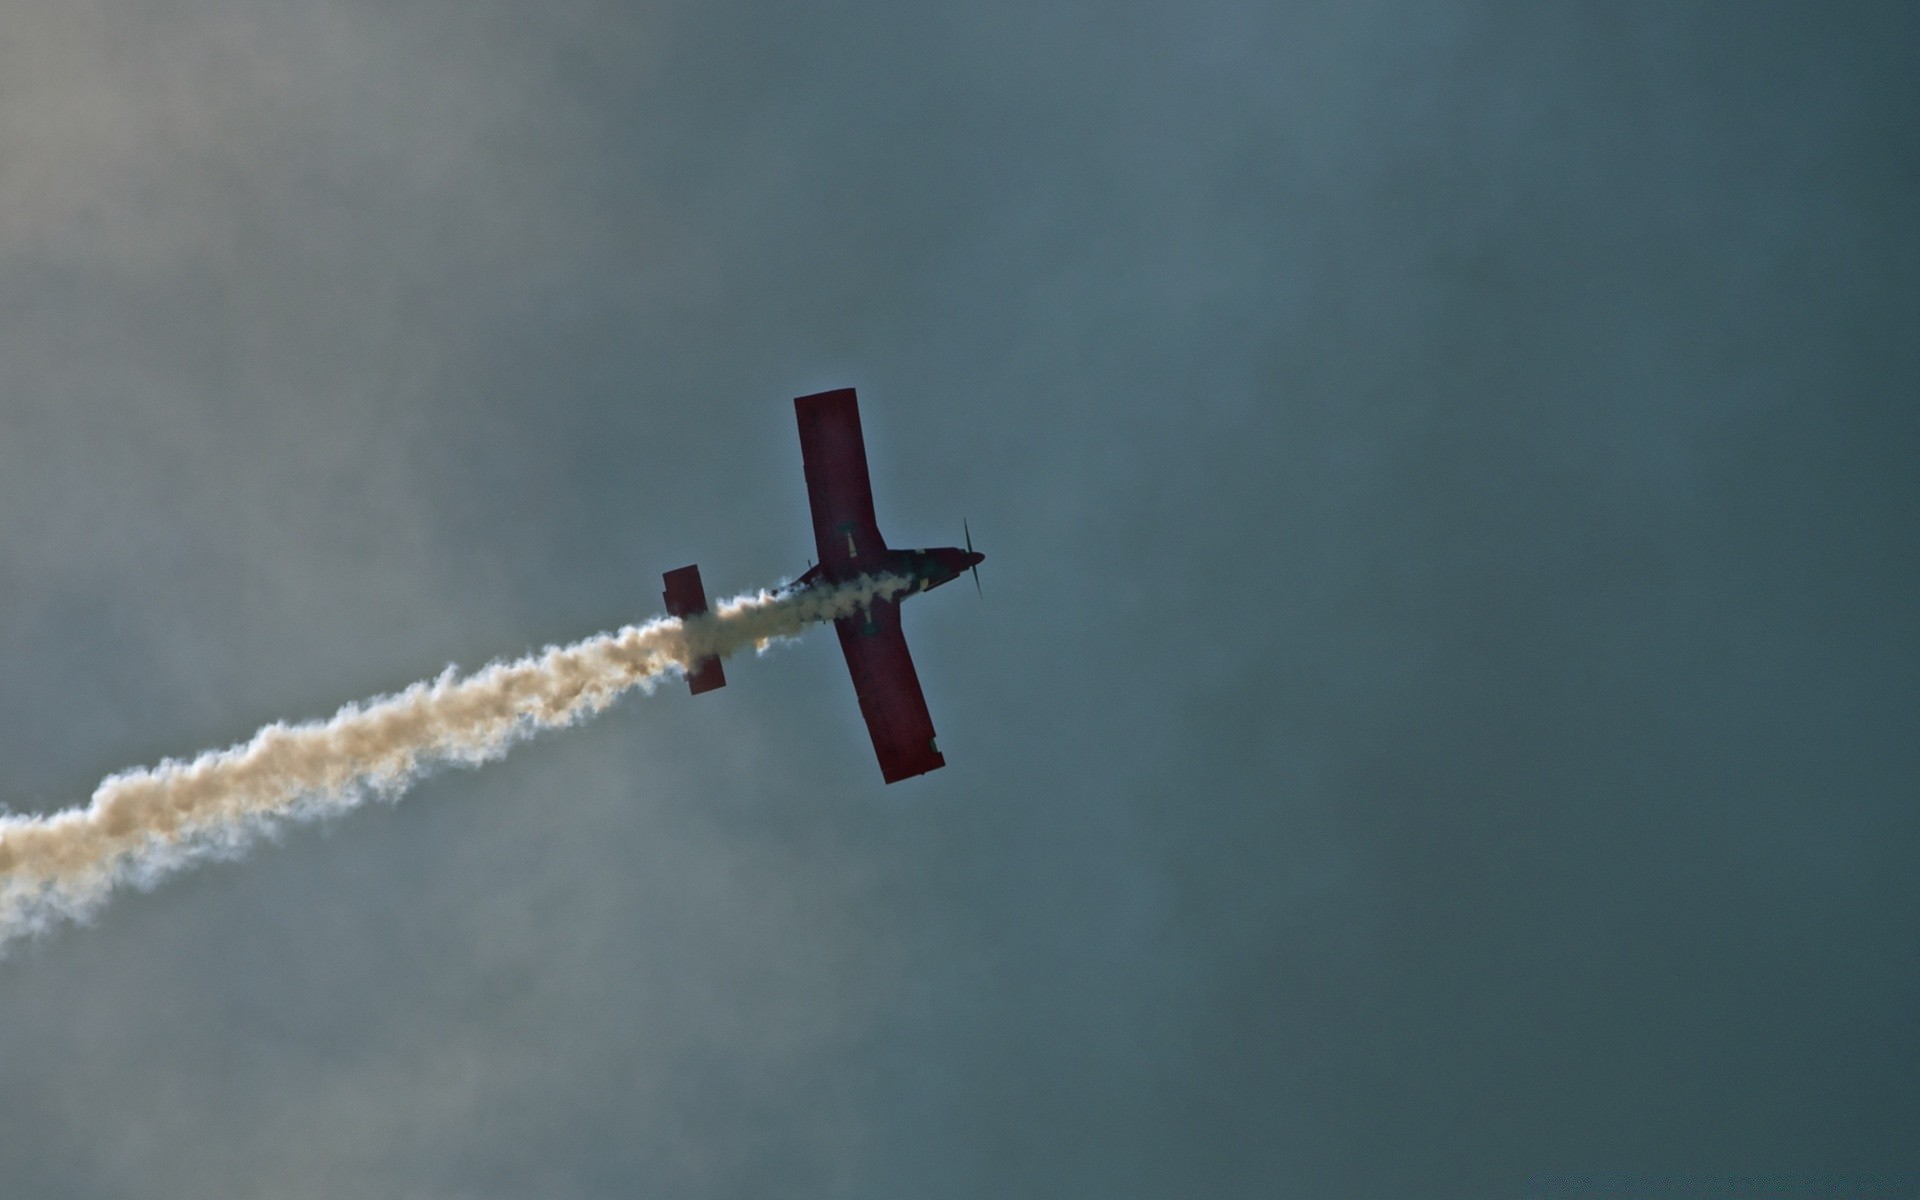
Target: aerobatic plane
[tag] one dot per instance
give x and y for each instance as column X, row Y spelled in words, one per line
column 850, row 547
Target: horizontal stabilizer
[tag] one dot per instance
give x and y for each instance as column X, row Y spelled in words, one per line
column 687, row 597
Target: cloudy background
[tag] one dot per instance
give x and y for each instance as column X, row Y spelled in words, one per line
column 1443, row 708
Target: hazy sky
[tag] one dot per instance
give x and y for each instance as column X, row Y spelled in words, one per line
column 1443, row 709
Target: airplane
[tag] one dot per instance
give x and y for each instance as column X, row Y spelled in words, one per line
column 848, row 540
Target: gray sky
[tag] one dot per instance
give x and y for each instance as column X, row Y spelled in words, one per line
column 1443, row 707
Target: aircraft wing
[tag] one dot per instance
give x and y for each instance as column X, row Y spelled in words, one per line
column 835, row 457
column 889, row 691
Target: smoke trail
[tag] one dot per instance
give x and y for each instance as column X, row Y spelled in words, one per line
column 143, row 825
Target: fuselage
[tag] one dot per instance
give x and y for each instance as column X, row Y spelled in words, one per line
column 928, row 569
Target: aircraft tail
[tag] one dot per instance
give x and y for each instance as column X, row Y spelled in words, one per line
column 687, row 597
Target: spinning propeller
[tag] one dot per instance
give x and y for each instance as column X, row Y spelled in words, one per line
column 974, row 567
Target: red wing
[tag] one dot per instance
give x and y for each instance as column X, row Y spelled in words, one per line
column 835, row 458
column 889, row 691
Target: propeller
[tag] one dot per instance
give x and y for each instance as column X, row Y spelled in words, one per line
column 975, row 567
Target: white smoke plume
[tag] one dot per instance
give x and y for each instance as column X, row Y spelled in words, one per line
column 143, row 825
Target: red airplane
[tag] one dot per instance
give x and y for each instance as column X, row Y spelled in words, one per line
column 851, row 548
